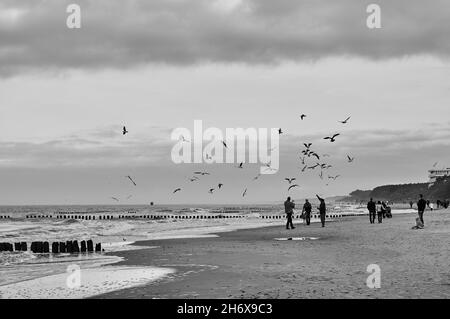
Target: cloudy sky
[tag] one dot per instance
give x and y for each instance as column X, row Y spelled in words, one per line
column 161, row 64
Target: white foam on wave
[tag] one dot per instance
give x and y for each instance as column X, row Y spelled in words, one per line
column 93, row 281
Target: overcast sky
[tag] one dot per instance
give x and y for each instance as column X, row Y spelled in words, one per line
column 161, row 64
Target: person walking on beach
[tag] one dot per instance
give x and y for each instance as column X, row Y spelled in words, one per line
column 421, row 205
column 379, row 212
column 322, row 210
column 371, row 206
column 411, row 204
column 289, row 210
column 307, row 211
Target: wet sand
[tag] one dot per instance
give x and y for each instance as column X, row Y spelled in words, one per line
column 252, row 264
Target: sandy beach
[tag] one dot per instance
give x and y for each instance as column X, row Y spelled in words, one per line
column 252, row 264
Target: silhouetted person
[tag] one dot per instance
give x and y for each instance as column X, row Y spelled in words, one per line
column 288, row 209
column 322, row 210
column 372, row 207
column 307, row 208
column 379, row 212
column 383, row 209
column 411, row 204
column 421, row 205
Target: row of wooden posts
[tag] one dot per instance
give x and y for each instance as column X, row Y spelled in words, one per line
column 70, row 246
column 157, row 217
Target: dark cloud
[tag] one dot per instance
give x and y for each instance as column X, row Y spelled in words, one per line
column 121, row 34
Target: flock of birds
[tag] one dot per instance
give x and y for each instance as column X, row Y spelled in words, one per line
column 306, row 155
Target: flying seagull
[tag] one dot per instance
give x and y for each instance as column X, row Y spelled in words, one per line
column 307, row 145
column 244, row 193
column 201, row 173
column 302, row 116
column 280, row 131
column 129, row 177
column 177, row 190
column 315, row 155
column 115, row 199
column 350, row 159
column 211, row 190
column 346, row 120
column 183, row 139
column 290, row 180
column 124, row 131
column 295, row 185
column 224, row 144
column 220, row 185
column 332, row 138
column 241, row 165
column 334, row 177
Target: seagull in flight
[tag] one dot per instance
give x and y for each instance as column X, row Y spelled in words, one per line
column 333, row 177
column 184, row 139
column 211, row 190
column 220, row 185
column 290, row 180
column 302, row 116
column 241, row 165
column 332, row 138
column 346, row 120
column 201, row 173
column 224, row 144
column 315, row 155
column 177, row 190
column 307, row 145
column 129, row 177
column 280, row 131
column 244, row 193
column 115, row 199
column 124, row 131
column 292, row 186
column 350, row 159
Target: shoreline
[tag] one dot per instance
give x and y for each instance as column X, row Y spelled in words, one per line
column 250, row 263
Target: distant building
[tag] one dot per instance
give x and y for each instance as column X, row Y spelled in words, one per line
column 437, row 173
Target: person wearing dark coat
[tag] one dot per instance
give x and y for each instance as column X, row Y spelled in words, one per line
column 289, row 210
column 421, row 205
column 371, row 206
column 307, row 208
column 322, row 210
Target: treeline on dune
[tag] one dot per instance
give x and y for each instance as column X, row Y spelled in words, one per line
column 440, row 190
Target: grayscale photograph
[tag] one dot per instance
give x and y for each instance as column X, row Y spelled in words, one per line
column 252, row 151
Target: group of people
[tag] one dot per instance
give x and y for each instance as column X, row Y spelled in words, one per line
column 378, row 209
column 306, row 211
